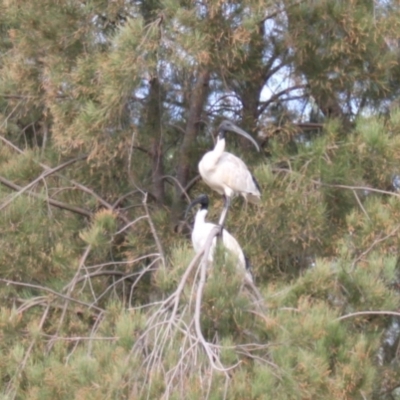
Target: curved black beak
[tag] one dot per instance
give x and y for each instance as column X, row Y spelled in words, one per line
column 229, row 126
column 202, row 199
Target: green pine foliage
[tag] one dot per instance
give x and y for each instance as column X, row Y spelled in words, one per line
column 102, row 296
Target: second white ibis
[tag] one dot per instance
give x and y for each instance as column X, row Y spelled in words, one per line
column 201, row 231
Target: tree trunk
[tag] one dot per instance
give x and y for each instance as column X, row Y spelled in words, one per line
column 185, row 161
column 153, row 128
column 250, row 88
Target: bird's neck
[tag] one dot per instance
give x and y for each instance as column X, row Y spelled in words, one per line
column 200, row 217
column 220, row 146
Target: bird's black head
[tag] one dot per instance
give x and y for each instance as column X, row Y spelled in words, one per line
column 202, row 200
column 224, row 127
column 230, row 126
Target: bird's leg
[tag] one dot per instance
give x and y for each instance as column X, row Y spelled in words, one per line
column 224, row 211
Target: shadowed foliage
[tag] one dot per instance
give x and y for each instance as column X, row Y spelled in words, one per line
column 105, row 111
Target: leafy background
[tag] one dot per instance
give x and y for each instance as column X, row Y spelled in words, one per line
column 106, row 109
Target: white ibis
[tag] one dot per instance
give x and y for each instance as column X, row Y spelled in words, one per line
column 202, row 229
column 227, row 174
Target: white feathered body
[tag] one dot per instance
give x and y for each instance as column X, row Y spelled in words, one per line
column 227, row 174
column 200, row 233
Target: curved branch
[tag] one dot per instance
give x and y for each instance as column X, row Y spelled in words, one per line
column 77, row 184
column 277, row 95
column 359, row 313
column 40, row 177
column 142, row 149
column 52, row 202
column 45, row 289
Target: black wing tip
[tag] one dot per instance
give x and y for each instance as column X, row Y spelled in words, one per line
column 256, row 183
column 247, row 263
column 248, row 266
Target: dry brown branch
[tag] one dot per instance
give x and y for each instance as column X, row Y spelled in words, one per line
column 10, row 114
column 282, row 10
column 264, row 105
column 153, row 231
column 75, row 183
column 43, row 175
column 123, row 197
column 79, row 338
column 26, row 304
column 191, row 183
column 140, row 274
column 348, row 187
column 99, row 199
column 48, row 290
column 107, row 264
column 163, row 326
column 52, row 202
column 12, row 389
column 368, row 250
column 8, row 143
column 361, row 206
column 212, row 356
column 176, row 321
column 366, row 313
column 94, row 330
column 183, row 191
column 71, row 287
column 123, row 275
column 259, row 299
column 130, row 224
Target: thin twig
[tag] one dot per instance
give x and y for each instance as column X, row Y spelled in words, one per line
column 183, row 191
column 130, row 224
column 153, row 231
column 75, row 183
column 43, row 175
column 71, row 287
column 361, row 206
column 46, row 289
column 213, row 359
column 377, row 241
column 52, row 202
column 22, row 365
column 359, row 313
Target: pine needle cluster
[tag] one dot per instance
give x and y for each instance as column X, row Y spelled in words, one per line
column 105, row 110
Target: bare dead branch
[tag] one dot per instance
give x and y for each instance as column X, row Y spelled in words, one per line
column 179, row 128
column 124, row 277
column 11, row 387
column 183, row 191
column 366, row 313
column 176, row 320
column 369, row 249
column 276, row 96
column 106, row 264
column 349, row 187
column 131, row 223
column 52, row 202
column 75, row 183
column 71, row 287
column 191, row 183
column 43, row 175
column 123, row 197
column 212, row 356
column 153, row 231
column 48, row 290
column 142, row 149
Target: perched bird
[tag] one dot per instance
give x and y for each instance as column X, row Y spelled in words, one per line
column 227, row 174
column 202, row 229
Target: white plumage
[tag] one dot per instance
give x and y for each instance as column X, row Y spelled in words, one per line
column 227, row 174
column 202, row 229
